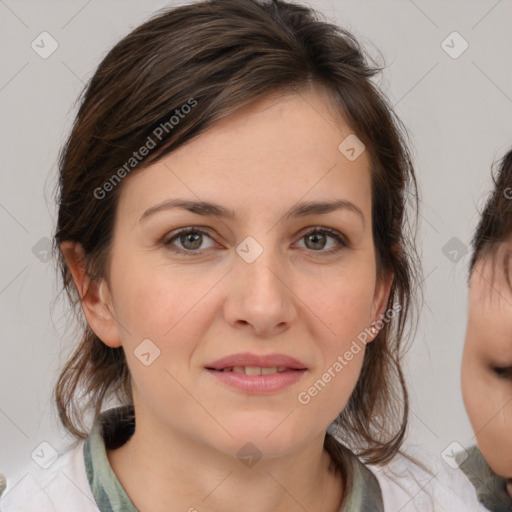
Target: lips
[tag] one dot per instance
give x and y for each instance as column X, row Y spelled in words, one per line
column 252, row 364
column 255, row 370
column 257, row 375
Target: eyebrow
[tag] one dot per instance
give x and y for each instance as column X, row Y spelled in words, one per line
column 211, row 209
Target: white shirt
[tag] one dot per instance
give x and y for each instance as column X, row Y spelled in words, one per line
column 81, row 480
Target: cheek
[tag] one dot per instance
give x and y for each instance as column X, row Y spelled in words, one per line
column 489, row 406
column 172, row 310
column 157, row 301
column 346, row 306
column 495, row 438
column 479, row 396
column 346, row 309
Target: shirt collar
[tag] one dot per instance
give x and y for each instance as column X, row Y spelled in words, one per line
column 108, row 429
column 112, row 428
column 490, row 488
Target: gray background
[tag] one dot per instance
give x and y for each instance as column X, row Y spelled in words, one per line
column 458, row 113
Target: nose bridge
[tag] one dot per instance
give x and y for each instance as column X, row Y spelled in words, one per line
column 260, row 296
column 258, row 263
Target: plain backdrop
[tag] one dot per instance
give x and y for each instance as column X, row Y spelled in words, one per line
column 457, row 106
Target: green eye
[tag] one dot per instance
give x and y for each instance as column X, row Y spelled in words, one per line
column 325, row 233
column 183, row 236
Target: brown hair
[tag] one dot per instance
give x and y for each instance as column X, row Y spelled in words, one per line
column 495, row 224
column 224, row 54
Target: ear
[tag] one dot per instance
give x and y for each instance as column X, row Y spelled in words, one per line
column 380, row 300
column 94, row 295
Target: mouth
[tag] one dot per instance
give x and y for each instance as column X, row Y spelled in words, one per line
column 254, row 364
column 257, row 374
column 255, row 370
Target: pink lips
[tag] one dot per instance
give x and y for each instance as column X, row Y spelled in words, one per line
column 247, row 359
column 279, row 371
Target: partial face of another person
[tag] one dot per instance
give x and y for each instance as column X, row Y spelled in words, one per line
column 487, row 360
column 263, row 273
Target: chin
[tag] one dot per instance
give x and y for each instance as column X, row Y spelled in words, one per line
column 269, row 441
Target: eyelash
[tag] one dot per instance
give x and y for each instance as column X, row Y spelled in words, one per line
column 334, row 234
column 503, row 372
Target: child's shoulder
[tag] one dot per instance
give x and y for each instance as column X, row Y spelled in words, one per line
column 432, row 485
column 57, row 486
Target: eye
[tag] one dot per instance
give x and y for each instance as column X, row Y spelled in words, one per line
column 191, row 239
column 503, row 372
column 316, row 240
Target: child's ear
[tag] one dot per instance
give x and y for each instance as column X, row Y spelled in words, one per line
column 380, row 301
column 94, row 294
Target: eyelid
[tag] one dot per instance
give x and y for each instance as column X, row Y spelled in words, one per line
column 503, row 372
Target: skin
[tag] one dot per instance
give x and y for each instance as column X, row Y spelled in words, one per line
column 488, row 395
column 294, row 299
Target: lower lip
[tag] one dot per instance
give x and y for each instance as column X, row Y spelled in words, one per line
column 258, row 384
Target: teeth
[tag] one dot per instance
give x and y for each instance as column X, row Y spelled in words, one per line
column 256, row 370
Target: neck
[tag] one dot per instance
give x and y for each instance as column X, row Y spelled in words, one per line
column 181, row 474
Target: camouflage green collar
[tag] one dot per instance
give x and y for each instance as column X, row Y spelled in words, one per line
column 109, row 426
column 112, row 428
column 490, row 488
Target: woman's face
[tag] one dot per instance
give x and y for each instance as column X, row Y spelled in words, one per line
column 487, row 363
column 254, row 286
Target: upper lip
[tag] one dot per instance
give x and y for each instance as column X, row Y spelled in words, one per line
column 261, row 361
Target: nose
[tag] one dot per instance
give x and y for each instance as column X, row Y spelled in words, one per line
column 260, row 299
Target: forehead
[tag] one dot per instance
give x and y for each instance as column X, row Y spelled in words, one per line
column 491, row 279
column 490, row 302
column 278, row 149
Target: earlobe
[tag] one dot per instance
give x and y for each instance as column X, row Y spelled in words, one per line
column 94, row 295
